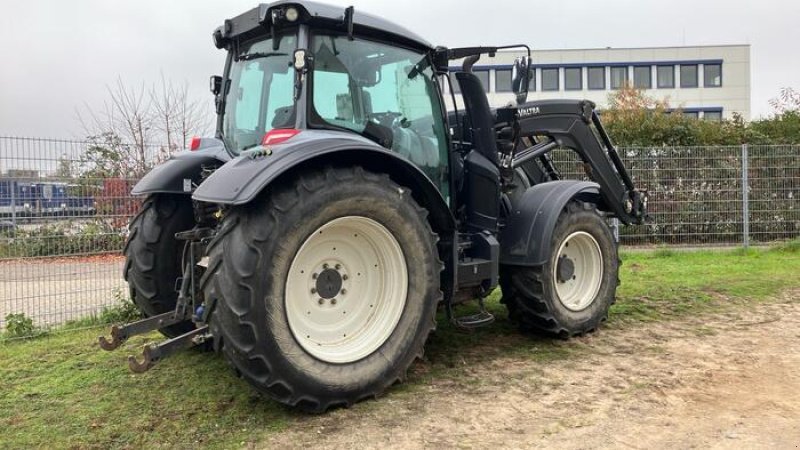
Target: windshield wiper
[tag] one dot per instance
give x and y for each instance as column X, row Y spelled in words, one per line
column 249, row 56
column 248, row 147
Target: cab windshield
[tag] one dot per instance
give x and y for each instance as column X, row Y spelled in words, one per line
column 356, row 82
column 261, row 92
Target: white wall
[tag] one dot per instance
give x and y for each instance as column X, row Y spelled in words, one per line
column 732, row 97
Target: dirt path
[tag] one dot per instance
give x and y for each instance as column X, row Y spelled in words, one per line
column 729, row 380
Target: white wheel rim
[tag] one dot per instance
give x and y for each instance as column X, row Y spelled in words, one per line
column 367, row 306
column 580, row 289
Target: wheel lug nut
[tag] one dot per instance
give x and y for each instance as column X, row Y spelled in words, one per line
column 325, row 266
column 344, row 277
column 338, row 266
column 321, row 301
column 314, row 276
column 333, row 301
column 344, row 291
column 313, row 290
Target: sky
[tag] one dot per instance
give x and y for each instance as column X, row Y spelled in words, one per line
column 58, row 56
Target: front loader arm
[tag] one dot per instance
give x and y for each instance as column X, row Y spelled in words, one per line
column 574, row 124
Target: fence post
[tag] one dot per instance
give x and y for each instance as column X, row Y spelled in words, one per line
column 13, row 189
column 745, row 200
column 615, row 229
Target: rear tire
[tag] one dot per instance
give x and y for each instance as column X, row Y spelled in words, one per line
column 571, row 293
column 153, row 256
column 316, row 322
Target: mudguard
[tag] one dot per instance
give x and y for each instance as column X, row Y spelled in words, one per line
column 525, row 240
column 243, row 178
column 181, row 173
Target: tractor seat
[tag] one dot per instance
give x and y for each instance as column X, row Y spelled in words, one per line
column 479, row 115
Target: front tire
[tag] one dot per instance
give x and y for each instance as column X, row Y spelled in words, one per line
column 326, row 288
column 571, row 293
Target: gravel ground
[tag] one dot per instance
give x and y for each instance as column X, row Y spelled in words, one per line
column 52, row 291
column 717, row 381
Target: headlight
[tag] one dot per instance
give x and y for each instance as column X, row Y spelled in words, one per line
column 292, row 14
column 299, row 59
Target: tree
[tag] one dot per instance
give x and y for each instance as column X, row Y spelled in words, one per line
column 176, row 116
column 787, row 101
column 138, row 127
column 64, row 168
column 784, row 125
column 121, row 130
column 634, row 119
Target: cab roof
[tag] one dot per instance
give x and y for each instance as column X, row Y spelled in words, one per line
column 259, row 21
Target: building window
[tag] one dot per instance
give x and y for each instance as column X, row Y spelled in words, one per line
column 573, row 78
column 532, row 81
column 619, row 77
column 502, row 80
column 689, row 76
column 714, row 116
column 691, row 114
column 642, row 77
column 596, row 77
column 712, row 75
column 483, row 75
column 549, row 79
column 665, row 77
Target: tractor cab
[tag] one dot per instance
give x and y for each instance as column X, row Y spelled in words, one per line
column 307, row 67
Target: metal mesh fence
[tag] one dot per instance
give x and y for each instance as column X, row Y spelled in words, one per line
column 696, row 194
column 65, row 205
column 63, row 219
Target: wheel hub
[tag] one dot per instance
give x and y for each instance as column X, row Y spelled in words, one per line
column 566, row 269
column 346, row 289
column 578, row 270
column 329, row 283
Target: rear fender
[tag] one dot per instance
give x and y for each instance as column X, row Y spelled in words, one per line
column 525, row 240
column 182, row 172
column 241, row 180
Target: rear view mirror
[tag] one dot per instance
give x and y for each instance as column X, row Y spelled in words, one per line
column 520, row 77
column 215, row 84
column 368, row 73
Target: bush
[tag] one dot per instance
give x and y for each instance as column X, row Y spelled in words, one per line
column 18, row 325
column 696, row 192
column 123, row 311
column 62, row 239
column 634, row 119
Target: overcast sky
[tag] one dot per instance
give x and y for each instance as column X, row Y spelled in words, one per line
column 59, row 55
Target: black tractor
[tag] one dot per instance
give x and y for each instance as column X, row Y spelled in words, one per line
column 340, row 205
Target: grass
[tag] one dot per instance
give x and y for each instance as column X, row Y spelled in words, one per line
column 61, row 391
column 672, row 283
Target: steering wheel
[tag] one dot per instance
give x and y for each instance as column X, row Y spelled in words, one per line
column 388, row 119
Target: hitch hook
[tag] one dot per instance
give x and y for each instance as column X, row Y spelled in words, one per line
column 117, row 339
column 148, row 361
column 153, row 353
